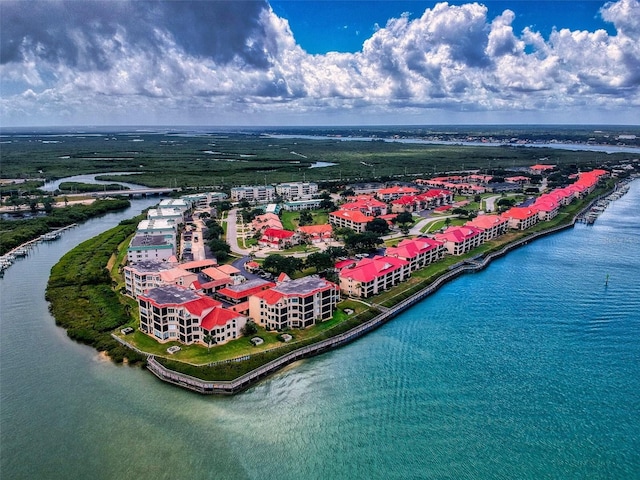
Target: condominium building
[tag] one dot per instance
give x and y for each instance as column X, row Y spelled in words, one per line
column 419, row 252
column 254, row 193
column 143, row 275
column 353, row 219
column 149, row 247
column 294, row 303
column 297, row 190
column 173, row 313
column 492, row 226
column 521, row 218
column 371, row 276
column 460, row 240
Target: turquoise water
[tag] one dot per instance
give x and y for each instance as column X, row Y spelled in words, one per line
column 529, row 369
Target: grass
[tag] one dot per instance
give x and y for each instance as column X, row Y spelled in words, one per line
column 289, row 219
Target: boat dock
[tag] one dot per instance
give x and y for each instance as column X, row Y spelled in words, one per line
column 23, row 250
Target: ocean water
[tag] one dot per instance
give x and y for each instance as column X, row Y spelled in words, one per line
column 528, row 369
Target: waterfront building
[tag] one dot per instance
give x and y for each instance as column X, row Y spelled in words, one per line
column 173, row 313
column 371, row 276
column 158, row 226
column 521, row 218
column 297, row 190
column 171, row 215
column 492, row 226
column 238, row 295
column 143, row 275
column 204, row 200
column 177, row 203
column 547, row 206
column 419, row 252
column 460, row 240
column 316, row 233
column 364, row 188
column 149, row 247
column 254, row 193
column 355, row 220
column 294, row 303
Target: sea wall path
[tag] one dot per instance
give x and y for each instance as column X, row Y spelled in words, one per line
column 241, row 383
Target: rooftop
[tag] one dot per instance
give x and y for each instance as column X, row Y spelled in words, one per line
column 302, row 286
column 149, row 241
column 171, row 295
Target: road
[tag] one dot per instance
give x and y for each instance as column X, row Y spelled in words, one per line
column 232, row 233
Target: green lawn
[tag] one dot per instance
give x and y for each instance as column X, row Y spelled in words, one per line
column 289, row 219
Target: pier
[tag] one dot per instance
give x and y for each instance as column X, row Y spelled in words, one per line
column 8, row 258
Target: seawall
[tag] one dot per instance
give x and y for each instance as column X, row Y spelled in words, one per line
column 241, row 383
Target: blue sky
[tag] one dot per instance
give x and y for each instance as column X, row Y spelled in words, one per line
column 255, row 62
column 338, row 25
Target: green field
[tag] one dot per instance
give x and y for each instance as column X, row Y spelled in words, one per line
column 223, row 160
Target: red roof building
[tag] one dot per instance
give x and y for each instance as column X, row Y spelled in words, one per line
column 492, row 226
column 173, row 313
column 278, row 238
column 521, row 218
column 460, row 240
column 371, row 276
column 296, row 303
column 354, row 219
column 367, row 205
column 316, row 233
column 393, row 193
column 419, row 252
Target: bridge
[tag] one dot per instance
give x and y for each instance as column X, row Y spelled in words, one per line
column 140, row 192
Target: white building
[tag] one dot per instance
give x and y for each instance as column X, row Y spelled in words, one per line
column 254, row 193
column 172, row 215
column 178, row 203
column 297, row 190
column 158, row 226
column 143, row 275
column 149, row 247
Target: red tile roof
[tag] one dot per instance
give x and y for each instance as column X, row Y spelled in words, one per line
column 369, row 269
column 412, row 248
column 218, row 317
column 355, row 216
column 196, row 307
column 520, row 213
column 485, row 222
column 316, row 229
column 397, row 191
column 238, row 294
column 278, row 233
column 458, row 234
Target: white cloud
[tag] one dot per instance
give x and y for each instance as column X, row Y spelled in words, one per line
column 450, row 59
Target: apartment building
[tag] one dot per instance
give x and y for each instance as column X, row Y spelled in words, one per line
column 297, row 190
column 254, row 193
column 371, row 276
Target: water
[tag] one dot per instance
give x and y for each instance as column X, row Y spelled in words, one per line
column 529, row 369
column 419, row 141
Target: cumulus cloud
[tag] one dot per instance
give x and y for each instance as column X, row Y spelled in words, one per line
column 196, row 61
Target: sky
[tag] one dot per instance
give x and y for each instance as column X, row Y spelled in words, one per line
column 307, row 62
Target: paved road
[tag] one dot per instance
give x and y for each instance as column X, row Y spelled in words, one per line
column 232, row 233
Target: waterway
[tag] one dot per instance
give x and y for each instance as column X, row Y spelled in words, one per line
column 529, row 369
column 419, row 141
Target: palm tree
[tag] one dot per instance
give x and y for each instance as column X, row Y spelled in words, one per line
column 209, row 339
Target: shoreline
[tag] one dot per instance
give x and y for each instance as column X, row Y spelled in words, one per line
column 243, row 382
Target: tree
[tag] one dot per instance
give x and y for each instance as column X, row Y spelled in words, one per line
column 327, row 204
column 336, row 252
column 319, row 261
column 342, row 232
column 220, row 249
column 209, row 339
column 378, row 226
column 362, row 242
column 305, row 218
column 277, row 264
column 249, row 328
column 244, row 203
column 222, row 206
column 348, row 193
